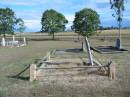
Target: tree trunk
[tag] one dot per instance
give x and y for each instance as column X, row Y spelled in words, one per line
column 89, row 51
column 120, row 45
column 118, row 42
column 53, row 36
column 78, row 37
column 4, row 35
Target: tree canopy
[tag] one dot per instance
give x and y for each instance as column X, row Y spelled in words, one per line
column 8, row 21
column 20, row 25
column 86, row 22
column 118, row 6
column 53, row 21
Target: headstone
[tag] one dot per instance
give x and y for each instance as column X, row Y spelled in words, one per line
column 3, row 43
column 118, row 44
column 13, row 38
column 84, row 47
column 24, row 41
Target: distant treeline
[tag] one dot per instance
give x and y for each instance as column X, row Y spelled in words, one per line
column 111, row 28
column 102, row 28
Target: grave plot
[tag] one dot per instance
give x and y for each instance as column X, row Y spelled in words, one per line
column 13, row 42
column 108, row 49
column 70, row 65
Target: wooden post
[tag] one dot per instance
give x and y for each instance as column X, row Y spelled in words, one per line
column 48, row 55
column 89, row 52
column 111, row 71
column 32, row 72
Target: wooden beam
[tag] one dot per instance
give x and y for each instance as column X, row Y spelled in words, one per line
column 89, row 52
column 33, row 72
column 75, row 67
column 22, row 71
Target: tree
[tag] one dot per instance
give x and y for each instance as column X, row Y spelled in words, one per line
column 118, row 6
column 53, row 21
column 20, row 25
column 86, row 22
column 8, row 21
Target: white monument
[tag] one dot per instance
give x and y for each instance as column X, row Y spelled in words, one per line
column 3, row 43
column 13, row 38
column 24, row 41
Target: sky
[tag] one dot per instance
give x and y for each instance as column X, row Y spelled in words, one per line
column 31, row 11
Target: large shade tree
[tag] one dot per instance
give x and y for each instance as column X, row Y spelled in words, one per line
column 9, row 22
column 118, row 7
column 53, row 21
column 86, row 23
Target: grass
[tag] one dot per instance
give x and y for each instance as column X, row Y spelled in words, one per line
column 13, row 60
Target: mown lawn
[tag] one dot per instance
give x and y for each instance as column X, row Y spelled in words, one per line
column 13, row 60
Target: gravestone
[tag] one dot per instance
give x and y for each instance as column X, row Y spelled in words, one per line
column 24, row 41
column 84, row 46
column 118, row 44
column 13, row 38
column 3, row 43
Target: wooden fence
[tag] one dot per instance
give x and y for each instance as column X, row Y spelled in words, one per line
column 109, row 68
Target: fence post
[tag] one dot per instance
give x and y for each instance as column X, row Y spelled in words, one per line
column 48, row 56
column 111, row 71
column 33, row 72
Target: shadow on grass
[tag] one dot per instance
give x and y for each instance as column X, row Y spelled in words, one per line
column 56, row 39
column 108, row 49
column 20, row 77
column 97, row 72
column 38, row 39
column 74, row 50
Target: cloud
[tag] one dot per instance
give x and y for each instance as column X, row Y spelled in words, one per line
column 127, row 17
column 16, row 2
column 101, row 1
column 27, row 14
column 24, row 2
column 31, row 10
column 33, row 25
column 69, row 17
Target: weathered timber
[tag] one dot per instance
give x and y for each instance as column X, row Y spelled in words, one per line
column 33, row 72
column 89, row 51
column 79, row 67
column 111, row 71
column 22, row 71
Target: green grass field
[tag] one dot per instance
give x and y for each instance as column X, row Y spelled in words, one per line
column 13, row 60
